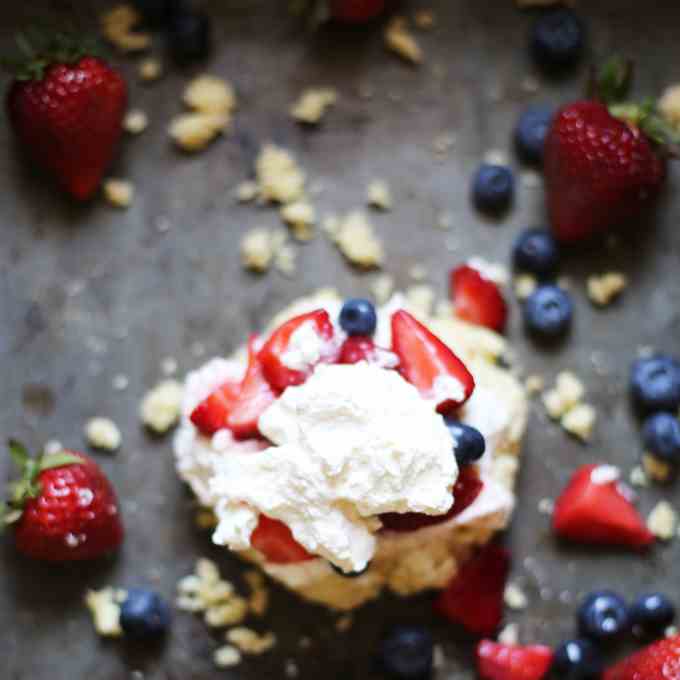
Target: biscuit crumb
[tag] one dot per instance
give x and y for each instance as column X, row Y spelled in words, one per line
column 566, row 394
column 195, row 131
column 300, row 217
column 418, row 272
column 246, row 191
column 424, row 18
column 656, row 469
column 358, row 242
column 160, row 408
column 259, row 595
column 662, row 521
column 150, row 69
column 119, row 192
column 104, row 606
column 546, row 506
column 509, row 635
column 603, row 289
column 399, row 40
column 382, row 287
column 285, row 260
column 313, row 104
column 638, row 477
column 444, row 221
column 249, row 641
column 514, row 597
column 379, row 195
column 580, row 421
column 280, row 178
column 534, row 384
column 118, row 26
column 210, row 94
column 525, row 285
column 103, row 433
column 344, row 623
column 443, row 143
column 135, row 121
column 226, row 656
column 669, row 105
column 257, row 249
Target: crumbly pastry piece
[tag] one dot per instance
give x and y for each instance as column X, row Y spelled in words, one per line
column 604, row 288
column 160, row 407
column 118, row 27
column 103, row 433
column 135, row 121
column 119, row 192
column 356, row 238
column 280, row 178
column 195, row 131
column 405, row 563
column 400, row 40
column 313, row 104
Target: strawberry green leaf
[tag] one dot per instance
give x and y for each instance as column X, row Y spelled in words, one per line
column 613, row 81
column 55, row 460
column 19, row 453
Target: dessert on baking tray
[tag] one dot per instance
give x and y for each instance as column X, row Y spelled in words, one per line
column 349, row 449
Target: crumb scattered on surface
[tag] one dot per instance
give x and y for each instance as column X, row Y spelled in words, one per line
column 534, row 384
column 300, row 216
column 496, row 157
column 662, row 521
column 135, row 122
column 443, row 143
column 509, row 635
column 120, row 382
column 280, row 178
column 257, row 249
column 424, row 18
column 638, row 477
column 226, row 656
column 514, row 597
column 249, row 641
column 568, row 392
column 246, row 191
column 358, row 241
column 313, row 104
column 104, row 606
column 285, row 260
column 118, row 26
column 150, row 69
column 103, row 433
column 444, row 221
column 195, row 131
column 344, row 623
column 161, row 406
column 580, row 421
column 418, row 272
column 382, row 287
column 378, row 194
column 210, row 94
column 525, row 285
column 546, row 506
column 258, row 601
column 603, row 289
column 656, row 469
column 669, row 105
column 119, row 192
column 400, row 40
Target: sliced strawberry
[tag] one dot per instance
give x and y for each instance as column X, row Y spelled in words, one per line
column 474, row 598
column 512, row 662
column 466, row 489
column 428, row 364
column 592, row 510
column 275, row 541
column 272, row 354
column 477, row 299
column 658, row 661
column 213, row 412
column 255, row 396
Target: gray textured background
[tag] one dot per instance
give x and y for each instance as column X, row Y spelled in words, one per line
column 89, row 292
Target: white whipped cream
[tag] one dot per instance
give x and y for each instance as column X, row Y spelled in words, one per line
column 447, row 387
column 352, row 442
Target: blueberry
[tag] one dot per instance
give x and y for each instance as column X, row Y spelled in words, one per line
column 557, row 39
column 652, row 612
column 532, row 128
column 469, row 444
column 661, row 435
column 536, row 251
column 576, row 660
column 603, row 615
column 406, row 653
column 358, row 317
column 655, row 383
column 189, row 36
column 349, row 574
column 548, row 311
column 144, row 614
column 493, row 188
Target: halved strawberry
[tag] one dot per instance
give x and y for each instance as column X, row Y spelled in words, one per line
column 428, row 364
column 355, row 349
column 658, row 661
column 272, row 355
column 594, row 509
column 275, row 541
column 212, row 413
column 254, row 397
column 466, row 489
column 474, row 598
column 477, row 299
column 512, row 662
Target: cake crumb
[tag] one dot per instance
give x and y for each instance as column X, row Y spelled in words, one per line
column 514, row 597
column 418, row 272
column 444, row 221
column 300, row 217
column 424, row 18
column 546, row 506
column 246, row 191
column 118, row 26
column 669, row 105
column 259, row 595
column 160, row 408
column 358, row 241
column 195, row 131
column 344, row 623
column 656, row 469
column 603, row 289
column 280, row 178
column 382, row 287
column 249, row 641
column 135, row 121
column 509, row 635
column 443, row 143
column 313, row 104
column 104, row 606
column 580, row 421
column 291, row 669
column 525, row 285
column 226, row 656
column 662, row 521
column 378, row 195
column 103, row 433
column 119, row 192
column 567, row 393
column 150, row 69
column 534, row 384
column 285, row 260
column 638, row 477
column 399, row 40
column 257, row 249
column 210, row 94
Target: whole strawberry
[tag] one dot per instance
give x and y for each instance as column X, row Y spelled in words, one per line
column 67, row 107
column 658, row 661
column 602, row 166
column 62, row 508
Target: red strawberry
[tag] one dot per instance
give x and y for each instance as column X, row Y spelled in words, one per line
column 428, row 364
column 355, row 349
column 658, row 661
column 477, row 299
column 67, row 109
column 212, row 413
column 600, row 171
column 255, row 396
column 64, row 508
column 592, row 510
column 272, row 354
column 356, row 11
column 466, row 489
column 275, row 541
column 474, row 598
column 512, row 662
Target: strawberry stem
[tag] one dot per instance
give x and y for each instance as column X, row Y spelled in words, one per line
column 612, row 82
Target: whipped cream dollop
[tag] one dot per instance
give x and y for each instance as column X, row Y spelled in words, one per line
column 350, row 443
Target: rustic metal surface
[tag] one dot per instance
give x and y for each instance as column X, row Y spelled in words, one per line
column 90, row 293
